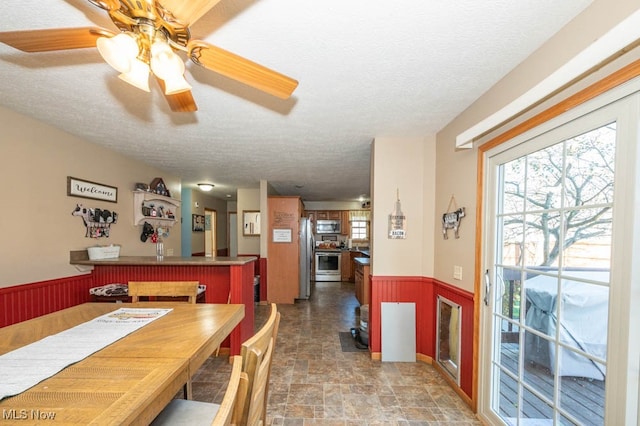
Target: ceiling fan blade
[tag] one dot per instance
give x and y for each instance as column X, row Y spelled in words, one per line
column 106, row 4
column 180, row 102
column 241, row 69
column 53, row 39
column 187, row 12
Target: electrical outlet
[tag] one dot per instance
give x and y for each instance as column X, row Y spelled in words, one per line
column 457, row 272
column 169, row 252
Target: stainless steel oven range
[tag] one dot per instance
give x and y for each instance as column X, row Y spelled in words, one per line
column 328, row 265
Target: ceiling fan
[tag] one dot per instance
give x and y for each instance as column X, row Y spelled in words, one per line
column 150, row 34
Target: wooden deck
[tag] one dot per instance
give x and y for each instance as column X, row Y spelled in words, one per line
column 581, row 398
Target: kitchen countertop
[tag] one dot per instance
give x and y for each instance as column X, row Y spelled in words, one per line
column 364, row 251
column 365, row 261
column 167, row 260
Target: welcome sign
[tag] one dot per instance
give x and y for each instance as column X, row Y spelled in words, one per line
column 93, row 190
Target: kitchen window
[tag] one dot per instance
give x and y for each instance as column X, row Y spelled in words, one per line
column 359, row 230
column 359, row 224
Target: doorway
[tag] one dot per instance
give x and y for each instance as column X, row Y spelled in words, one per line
column 210, row 232
column 556, row 260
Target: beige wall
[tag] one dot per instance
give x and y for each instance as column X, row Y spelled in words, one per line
column 456, row 170
column 332, row 205
column 404, row 165
column 211, row 203
column 248, row 199
column 36, row 227
column 266, row 190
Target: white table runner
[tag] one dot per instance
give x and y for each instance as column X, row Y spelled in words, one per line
column 29, row 365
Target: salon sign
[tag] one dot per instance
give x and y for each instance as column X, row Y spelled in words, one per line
column 87, row 189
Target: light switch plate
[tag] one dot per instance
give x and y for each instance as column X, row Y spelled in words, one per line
column 457, row 272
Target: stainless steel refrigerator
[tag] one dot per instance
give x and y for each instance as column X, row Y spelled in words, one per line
column 306, row 254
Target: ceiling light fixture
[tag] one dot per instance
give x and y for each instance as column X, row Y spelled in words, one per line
column 205, row 186
column 135, row 54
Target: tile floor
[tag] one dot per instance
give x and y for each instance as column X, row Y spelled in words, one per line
column 314, row 383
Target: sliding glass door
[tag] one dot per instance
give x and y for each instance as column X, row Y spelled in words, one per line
column 555, row 270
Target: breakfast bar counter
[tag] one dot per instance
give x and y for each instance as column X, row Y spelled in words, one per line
column 228, row 279
column 168, row 260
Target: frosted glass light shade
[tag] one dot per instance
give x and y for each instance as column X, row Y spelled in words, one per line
column 138, row 75
column 168, row 66
column 118, row 51
column 205, row 186
column 176, row 84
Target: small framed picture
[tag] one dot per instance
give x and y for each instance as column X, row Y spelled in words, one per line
column 197, row 223
column 251, row 223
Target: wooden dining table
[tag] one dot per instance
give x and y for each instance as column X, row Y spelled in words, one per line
column 127, row 382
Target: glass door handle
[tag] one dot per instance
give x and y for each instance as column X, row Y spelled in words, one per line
column 487, row 287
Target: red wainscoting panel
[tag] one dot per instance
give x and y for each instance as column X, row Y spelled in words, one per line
column 263, row 278
column 216, row 278
column 243, row 295
column 403, row 289
column 465, row 300
column 23, row 302
column 424, row 293
column 260, row 269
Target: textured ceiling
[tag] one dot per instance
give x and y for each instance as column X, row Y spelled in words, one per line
column 367, row 68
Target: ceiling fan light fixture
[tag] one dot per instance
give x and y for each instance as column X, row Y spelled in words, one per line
column 206, row 187
column 138, row 75
column 168, row 66
column 162, row 58
column 175, row 85
column 118, row 51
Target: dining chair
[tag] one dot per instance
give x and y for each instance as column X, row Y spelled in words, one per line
column 194, row 413
column 259, row 391
column 259, row 344
column 172, row 289
column 187, row 289
column 249, row 404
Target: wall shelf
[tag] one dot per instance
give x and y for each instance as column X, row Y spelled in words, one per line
column 156, row 209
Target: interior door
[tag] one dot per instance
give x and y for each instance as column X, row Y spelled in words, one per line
column 555, row 220
column 210, row 246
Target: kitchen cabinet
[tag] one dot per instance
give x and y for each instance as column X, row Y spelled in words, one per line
column 352, row 267
column 329, row 215
column 346, row 225
column 363, row 289
column 334, row 214
column 346, row 268
column 156, row 209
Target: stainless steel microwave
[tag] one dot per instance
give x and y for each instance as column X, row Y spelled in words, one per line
column 327, row 227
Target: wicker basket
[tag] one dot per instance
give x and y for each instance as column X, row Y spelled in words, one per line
column 104, row 252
